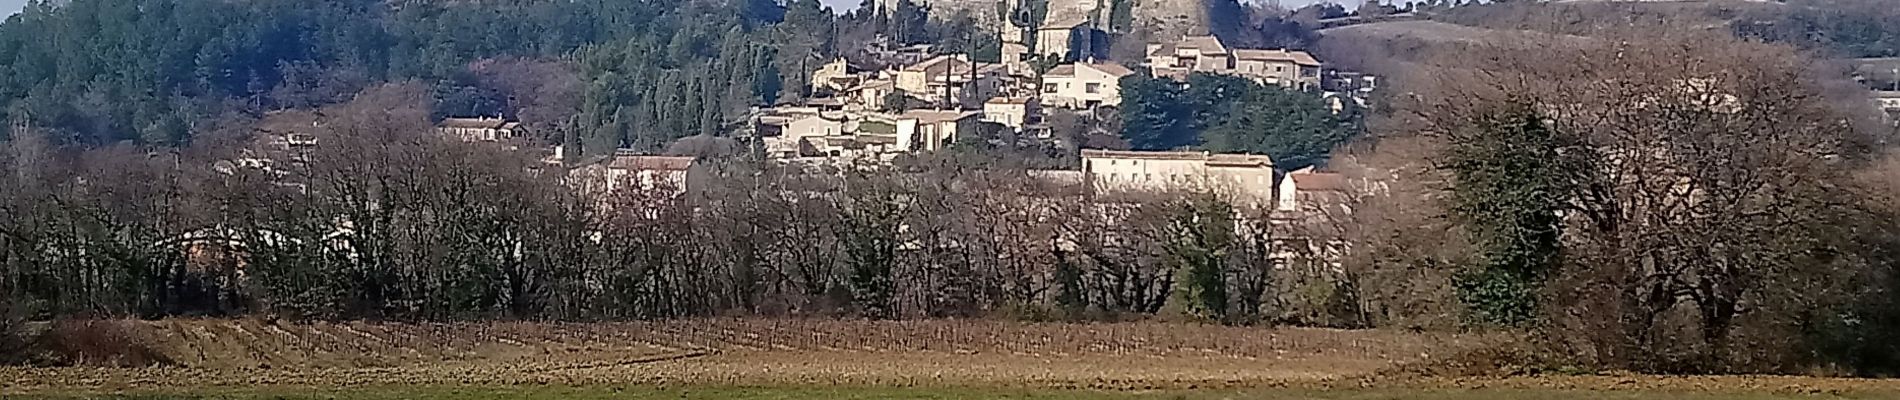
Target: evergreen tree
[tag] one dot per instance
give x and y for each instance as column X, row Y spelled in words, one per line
column 1233, row 115
column 1154, row 114
column 1510, row 181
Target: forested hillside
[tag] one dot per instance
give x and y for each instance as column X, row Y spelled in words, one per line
column 104, row 71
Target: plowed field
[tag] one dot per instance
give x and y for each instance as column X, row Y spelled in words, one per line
column 716, row 351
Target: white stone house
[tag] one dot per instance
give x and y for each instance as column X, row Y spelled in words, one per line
column 1084, row 85
column 954, row 76
column 1889, row 101
column 868, row 95
column 836, row 75
column 1286, row 68
column 1066, row 39
column 1246, row 177
column 1012, row 112
column 480, row 129
column 1206, row 54
column 632, row 171
column 1307, row 192
column 932, row 130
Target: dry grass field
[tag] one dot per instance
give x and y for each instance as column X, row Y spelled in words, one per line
column 799, row 359
column 218, row 353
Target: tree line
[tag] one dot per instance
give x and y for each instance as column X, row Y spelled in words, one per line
column 390, row 221
column 1691, row 202
column 1228, row 114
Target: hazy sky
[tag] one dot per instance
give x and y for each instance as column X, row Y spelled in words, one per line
column 8, row 7
column 846, row 5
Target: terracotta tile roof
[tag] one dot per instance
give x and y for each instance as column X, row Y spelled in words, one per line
column 860, row 141
column 1206, row 44
column 475, row 123
column 1319, row 182
column 1165, row 49
column 1112, row 69
column 1061, row 70
column 1218, row 160
column 651, row 163
column 933, row 61
column 1068, row 70
column 1303, row 58
column 1240, row 160
column 1145, row 155
column 872, row 84
column 1281, row 55
column 935, row 116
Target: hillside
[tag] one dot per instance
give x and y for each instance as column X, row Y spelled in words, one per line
column 1835, row 28
column 97, row 72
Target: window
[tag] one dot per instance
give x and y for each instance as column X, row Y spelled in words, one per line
column 1094, row 88
column 1048, row 88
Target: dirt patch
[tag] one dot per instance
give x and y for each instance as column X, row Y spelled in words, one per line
column 1778, row 385
column 254, row 344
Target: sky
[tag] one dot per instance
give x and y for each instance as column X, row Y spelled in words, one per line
column 9, row 7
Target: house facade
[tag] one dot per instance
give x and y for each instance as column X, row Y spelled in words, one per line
column 1190, row 54
column 1012, row 112
column 1249, row 177
column 965, row 83
column 1292, row 69
column 851, row 136
column 1206, row 54
column 932, row 130
column 1066, row 39
column 1015, row 49
column 836, row 75
column 868, row 95
column 1307, row 192
column 480, row 129
column 632, row 171
column 1889, row 101
column 1084, row 85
